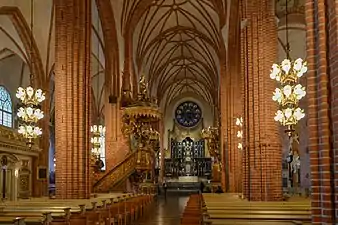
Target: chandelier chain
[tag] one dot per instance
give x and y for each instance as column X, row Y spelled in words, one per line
column 287, row 30
column 31, row 41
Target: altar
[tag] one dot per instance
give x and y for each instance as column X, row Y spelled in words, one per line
column 187, row 159
column 188, row 179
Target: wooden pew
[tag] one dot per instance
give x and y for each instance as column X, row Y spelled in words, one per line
column 93, row 213
column 228, row 209
column 192, row 214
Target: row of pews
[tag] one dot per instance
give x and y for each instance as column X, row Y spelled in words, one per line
column 192, row 213
column 226, row 209
column 104, row 209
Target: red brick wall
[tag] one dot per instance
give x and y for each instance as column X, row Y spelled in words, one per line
column 117, row 146
column 262, row 154
column 233, row 106
column 72, row 98
column 321, row 19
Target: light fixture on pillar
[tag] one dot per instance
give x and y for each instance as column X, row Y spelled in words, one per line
column 239, row 123
column 98, row 135
column 289, row 91
column 29, row 112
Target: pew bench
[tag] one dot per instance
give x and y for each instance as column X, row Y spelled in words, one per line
column 279, row 217
column 253, row 222
column 255, row 212
column 226, row 209
column 117, row 211
column 192, row 214
column 255, row 207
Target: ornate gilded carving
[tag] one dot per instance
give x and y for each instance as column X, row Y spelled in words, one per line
column 10, row 139
column 211, row 135
column 24, row 180
column 139, row 120
column 140, row 117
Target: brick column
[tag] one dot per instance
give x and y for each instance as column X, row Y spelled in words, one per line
column 72, row 98
column 322, row 92
column 234, row 105
column 117, row 145
column 111, row 123
column 262, row 148
column 223, row 123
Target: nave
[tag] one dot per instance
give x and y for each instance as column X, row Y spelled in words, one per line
column 165, row 211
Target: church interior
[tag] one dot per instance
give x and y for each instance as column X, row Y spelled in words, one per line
column 168, row 112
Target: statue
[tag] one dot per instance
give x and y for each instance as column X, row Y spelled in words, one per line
column 143, row 92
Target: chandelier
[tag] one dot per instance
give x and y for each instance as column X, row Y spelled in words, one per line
column 98, row 135
column 290, row 91
column 30, row 113
column 239, row 123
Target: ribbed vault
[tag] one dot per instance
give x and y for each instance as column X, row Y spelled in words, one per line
column 177, row 44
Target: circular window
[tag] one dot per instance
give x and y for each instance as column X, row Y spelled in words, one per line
column 188, row 114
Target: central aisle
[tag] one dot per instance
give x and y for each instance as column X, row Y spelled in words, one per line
column 165, row 211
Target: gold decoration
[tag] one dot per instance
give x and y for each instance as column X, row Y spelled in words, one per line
column 30, row 113
column 211, row 135
column 139, row 118
column 11, row 139
column 289, row 92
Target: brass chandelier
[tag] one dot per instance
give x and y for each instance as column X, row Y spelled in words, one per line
column 97, row 131
column 289, row 91
column 98, row 136
column 30, row 112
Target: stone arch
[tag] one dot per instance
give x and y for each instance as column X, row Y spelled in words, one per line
column 111, row 51
column 25, row 35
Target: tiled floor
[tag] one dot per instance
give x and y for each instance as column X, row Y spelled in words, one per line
column 165, row 211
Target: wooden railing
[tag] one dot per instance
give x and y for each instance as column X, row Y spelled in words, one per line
column 117, row 174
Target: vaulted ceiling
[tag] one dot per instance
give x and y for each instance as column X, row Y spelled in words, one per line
column 177, row 45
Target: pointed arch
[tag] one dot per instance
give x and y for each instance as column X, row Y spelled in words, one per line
column 25, row 34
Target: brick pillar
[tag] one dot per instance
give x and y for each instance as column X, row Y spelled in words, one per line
column 223, row 123
column 117, row 145
column 322, row 92
column 72, row 98
column 111, row 123
column 234, row 98
column 262, row 148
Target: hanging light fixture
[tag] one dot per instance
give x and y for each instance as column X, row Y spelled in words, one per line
column 30, row 113
column 289, row 91
column 98, row 134
column 98, row 131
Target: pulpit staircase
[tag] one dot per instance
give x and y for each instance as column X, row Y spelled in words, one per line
column 113, row 179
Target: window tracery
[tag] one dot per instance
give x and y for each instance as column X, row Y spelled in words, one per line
column 6, row 109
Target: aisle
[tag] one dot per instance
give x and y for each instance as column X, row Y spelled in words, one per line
column 165, row 211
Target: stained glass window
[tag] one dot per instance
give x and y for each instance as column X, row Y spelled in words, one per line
column 6, row 109
column 188, row 114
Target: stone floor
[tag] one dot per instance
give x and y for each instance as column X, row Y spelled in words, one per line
column 165, row 211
